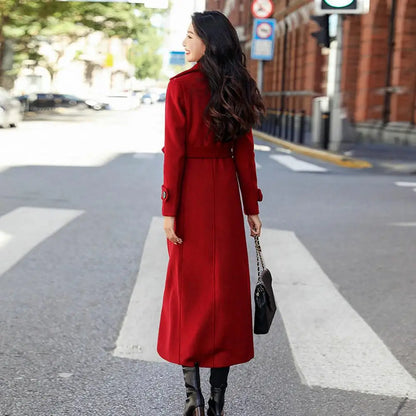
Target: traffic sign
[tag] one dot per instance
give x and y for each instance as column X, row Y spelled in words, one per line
column 342, row 6
column 262, row 8
column 177, row 58
column 262, row 46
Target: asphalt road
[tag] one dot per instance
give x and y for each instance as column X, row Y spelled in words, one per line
column 79, row 198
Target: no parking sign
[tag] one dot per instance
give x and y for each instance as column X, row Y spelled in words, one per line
column 262, row 46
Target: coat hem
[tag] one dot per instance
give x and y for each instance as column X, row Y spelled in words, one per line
column 205, row 364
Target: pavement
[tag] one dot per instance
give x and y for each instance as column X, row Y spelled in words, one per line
column 388, row 157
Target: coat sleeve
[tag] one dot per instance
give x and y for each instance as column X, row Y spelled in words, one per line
column 174, row 149
column 246, row 172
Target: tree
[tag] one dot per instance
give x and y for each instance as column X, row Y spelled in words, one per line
column 26, row 23
column 143, row 54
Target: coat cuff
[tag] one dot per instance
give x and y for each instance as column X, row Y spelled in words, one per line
column 259, row 195
column 169, row 203
column 165, row 194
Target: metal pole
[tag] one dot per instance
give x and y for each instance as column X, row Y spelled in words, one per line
column 283, row 84
column 387, row 94
column 336, row 136
column 260, row 75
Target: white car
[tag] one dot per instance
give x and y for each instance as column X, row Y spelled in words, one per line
column 10, row 110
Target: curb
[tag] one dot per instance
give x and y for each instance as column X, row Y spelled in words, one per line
column 334, row 158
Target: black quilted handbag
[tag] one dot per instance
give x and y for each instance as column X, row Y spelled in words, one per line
column 265, row 304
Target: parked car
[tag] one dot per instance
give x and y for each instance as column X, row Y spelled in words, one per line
column 10, row 110
column 152, row 97
column 50, row 101
column 148, row 98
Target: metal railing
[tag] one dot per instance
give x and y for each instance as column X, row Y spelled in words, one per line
column 285, row 124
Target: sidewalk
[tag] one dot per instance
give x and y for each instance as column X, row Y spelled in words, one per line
column 394, row 158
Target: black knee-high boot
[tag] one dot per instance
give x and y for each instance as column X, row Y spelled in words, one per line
column 218, row 381
column 194, row 405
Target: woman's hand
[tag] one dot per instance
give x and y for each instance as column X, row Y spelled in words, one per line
column 169, row 227
column 255, row 225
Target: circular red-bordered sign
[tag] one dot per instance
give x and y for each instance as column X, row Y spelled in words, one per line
column 264, row 30
column 261, row 9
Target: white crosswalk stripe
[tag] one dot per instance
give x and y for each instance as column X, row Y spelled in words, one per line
column 407, row 185
column 297, row 165
column 138, row 334
column 25, row 227
column 331, row 344
column 404, row 224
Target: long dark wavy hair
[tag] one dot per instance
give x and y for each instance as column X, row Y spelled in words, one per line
column 235, row 104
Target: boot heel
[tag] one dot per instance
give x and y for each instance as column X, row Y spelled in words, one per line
column 199, row 411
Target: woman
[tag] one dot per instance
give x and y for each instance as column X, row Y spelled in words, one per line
column 208, row 158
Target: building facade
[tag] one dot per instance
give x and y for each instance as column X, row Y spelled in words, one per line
column 378, row 81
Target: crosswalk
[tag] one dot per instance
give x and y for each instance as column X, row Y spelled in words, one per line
column 25, row 227
column 297, row 165
column 331, row 344
column 286, row 159
column 406, row 185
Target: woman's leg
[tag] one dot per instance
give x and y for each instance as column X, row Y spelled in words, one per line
column 194, row 405
column 218, row 381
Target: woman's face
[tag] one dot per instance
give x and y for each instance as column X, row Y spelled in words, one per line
column 194, row 47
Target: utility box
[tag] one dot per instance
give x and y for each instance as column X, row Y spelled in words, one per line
column 320, row 122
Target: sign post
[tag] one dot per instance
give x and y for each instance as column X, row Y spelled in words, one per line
column 337, row 113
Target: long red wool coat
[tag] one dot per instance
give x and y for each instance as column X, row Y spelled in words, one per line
column 206, row 313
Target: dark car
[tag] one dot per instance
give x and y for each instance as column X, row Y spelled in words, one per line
column 50, row 101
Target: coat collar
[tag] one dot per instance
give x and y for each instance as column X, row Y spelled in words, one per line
column 195, row 68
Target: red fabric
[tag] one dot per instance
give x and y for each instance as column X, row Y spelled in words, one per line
column 206, row 313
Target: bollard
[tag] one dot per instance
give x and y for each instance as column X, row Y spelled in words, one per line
column 280, row 124
column 302, row 127
column 275, row 123
column 325, row 123
column 292, row 126
column 286, row 118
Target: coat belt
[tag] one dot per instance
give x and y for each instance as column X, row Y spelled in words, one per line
column 207, row 153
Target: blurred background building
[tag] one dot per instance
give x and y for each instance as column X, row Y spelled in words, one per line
column 378, row 77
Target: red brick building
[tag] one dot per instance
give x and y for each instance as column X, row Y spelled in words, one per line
column 378, row 70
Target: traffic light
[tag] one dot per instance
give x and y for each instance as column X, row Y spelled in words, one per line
column 342, row 6
column 322, row 35
column 339, row 4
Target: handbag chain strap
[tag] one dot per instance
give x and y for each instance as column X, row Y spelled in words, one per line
column 259, row 256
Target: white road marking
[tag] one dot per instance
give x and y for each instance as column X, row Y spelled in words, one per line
column 297, row 165
column 25, row 227
column 138, row 334
column 404, row 224
column 283, row 150
column 406, row 184
column 332, row 345
column 262, row 147
column 258, row 166
column 144, row 155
